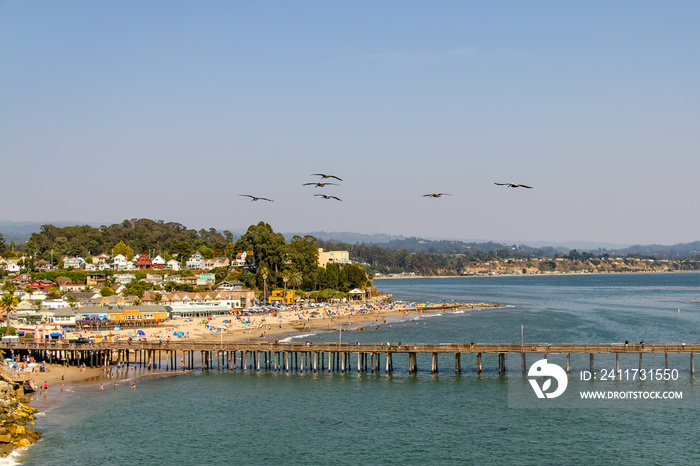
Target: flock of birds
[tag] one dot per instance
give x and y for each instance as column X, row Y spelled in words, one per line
column 321, row 184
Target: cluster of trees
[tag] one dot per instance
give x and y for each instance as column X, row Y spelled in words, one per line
column 272, row 262
column 140, row 235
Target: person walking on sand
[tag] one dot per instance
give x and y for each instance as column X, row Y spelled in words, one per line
column 46, row 387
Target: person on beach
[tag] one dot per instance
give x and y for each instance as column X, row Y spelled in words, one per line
column 102, row 387
column 133, row 386
column 116, row 384
column 46, row 386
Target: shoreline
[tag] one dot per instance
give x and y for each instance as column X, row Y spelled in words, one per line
column 496, row 275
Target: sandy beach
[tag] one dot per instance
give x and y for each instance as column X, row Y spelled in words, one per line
column 280, row 325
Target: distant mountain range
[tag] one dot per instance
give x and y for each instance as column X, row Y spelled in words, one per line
column 19, row 232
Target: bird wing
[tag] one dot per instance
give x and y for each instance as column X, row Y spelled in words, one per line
column 309, row 184
column 247, row 195
column 428, row 195
column 525, row 186
column 503, row 184
column 318, row 174
column 336, row 198
column 265, row 199
column 333, row 176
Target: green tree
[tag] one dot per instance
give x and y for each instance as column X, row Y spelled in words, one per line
column 122, row 248
column 8, row 302
column 206, row 252
column 303, row 255
column 106, row 291
column 268, row 247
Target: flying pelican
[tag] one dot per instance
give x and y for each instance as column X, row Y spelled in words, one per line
column 319, row 185
column 436, row 195
column 324, row 176
column 514, row 185
column 329, row 197
column 256, row 198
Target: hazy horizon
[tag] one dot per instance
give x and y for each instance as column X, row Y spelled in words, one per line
column 170, row 111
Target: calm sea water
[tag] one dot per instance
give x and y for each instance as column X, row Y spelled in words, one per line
column 264, row 418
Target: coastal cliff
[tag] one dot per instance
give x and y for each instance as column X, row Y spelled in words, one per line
column 15, row 416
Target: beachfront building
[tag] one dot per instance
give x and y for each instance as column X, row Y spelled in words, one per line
column 336, row 257
column 276, row 297
column 138, row 316
column 206, row 304
column 109, row 301
column 62, row 317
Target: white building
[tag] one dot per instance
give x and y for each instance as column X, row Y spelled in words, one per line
column 120, row 262
column 172, row 264
column 196, row 261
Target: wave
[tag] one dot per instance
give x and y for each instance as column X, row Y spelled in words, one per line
column 303, row 335
column 11, row 459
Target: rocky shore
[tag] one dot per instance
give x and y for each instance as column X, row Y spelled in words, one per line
column 16, row 417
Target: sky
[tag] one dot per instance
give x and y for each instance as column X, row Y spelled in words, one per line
column 170, row 110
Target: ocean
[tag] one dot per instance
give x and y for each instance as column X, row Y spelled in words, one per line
column 223, row 417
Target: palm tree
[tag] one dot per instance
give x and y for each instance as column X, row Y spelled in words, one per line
column 285, row 279
column 264, row 272
column 8, row 301
column 295, row 279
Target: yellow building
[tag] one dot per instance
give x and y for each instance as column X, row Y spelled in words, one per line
column 276, row 297
column 337, row 257
column 138, row 316
column 93, row 279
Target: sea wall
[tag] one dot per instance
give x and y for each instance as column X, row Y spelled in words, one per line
column 16, row 418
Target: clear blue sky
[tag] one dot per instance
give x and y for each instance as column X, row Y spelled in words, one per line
column 169, row 110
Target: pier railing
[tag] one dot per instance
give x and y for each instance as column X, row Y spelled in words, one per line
column 387, row 347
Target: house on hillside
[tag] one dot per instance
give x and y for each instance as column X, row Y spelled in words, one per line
column 216, row 262
column 120, row 262
column 196, row 261
column 206, row 280
column 123, row 278
column 158, row 262
column 73, row 262
column 229, row 286
column 239, row 261
column 143, row 263
column 93, row 279
column 172, row 264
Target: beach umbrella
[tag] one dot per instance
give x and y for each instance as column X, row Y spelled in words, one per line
column 140, row 332
column 8, row 359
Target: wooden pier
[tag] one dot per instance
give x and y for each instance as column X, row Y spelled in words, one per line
column 320, row 357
